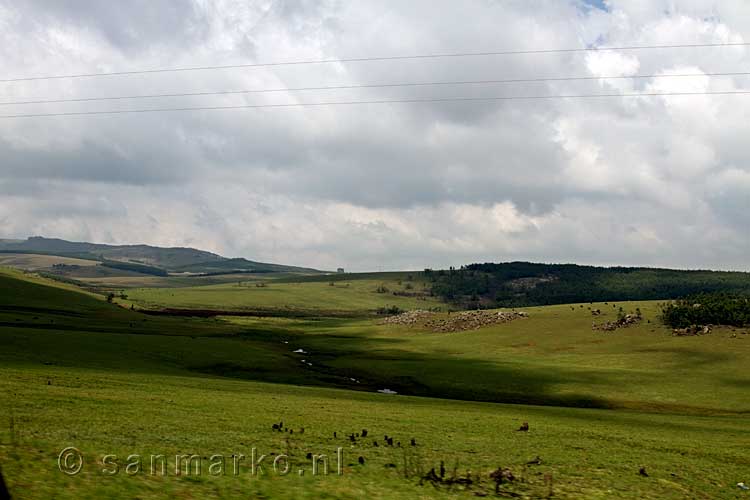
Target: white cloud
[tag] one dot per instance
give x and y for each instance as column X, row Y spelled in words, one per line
column 611, row 181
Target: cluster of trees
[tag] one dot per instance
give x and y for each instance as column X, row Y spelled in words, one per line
column 237, row 271
column 707, row 309
column 138, row 268
column 389, row 310
column 111, row 296
column 523, row 284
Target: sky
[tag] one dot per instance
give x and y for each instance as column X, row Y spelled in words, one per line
column 653, row 181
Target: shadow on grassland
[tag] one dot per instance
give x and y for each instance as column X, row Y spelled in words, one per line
column 686, row 358
column 364, row 363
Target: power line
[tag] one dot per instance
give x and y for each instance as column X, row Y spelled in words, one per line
column 381, row 101
column 371, row 59
column 376, row 85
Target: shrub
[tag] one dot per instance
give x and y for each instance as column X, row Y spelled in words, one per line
column 707, row 309
column 389, row 310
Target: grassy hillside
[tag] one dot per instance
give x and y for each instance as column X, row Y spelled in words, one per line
column 31, row 303
column 175, row 259
column 587, row 453
column 78, row 371
column 239, row 265
column 387, row 276
column 552, row 358
column 162, row 257
column 124, row 280
column 33, row 262
column 312, row 296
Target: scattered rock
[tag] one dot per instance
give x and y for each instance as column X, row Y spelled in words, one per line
column 623, row 322
column 692, row 331
column 408, row 318
column 386, row 391
column 457, row 322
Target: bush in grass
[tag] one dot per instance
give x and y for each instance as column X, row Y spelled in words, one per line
column 707, row 309
column 389, row 310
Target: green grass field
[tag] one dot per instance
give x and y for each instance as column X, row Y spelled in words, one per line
column 77, row 371
column 318, row 296
column 552, row 357
column 589, row 453
column 35, row 261
column 117, row 280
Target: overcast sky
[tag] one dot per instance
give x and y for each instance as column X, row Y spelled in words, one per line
column 658, row 181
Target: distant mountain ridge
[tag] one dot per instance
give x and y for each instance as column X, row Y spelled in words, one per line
column 174, row 259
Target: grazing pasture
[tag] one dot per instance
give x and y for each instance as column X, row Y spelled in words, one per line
column 629, row 413
column 317, row 297
column 34, row 262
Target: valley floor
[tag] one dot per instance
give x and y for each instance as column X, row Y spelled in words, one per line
column 601, row 407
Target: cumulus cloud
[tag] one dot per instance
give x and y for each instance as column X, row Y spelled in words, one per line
column 639, row 180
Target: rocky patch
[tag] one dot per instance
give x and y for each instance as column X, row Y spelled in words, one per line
column 622, row 322
column 692, row 331
column 454, row 322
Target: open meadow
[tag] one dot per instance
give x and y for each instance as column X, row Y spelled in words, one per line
column 78, row 371
column 319, row 296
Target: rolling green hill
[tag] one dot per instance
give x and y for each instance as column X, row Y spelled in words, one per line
column 291, row 296
column 166, row 258
column 78, row 371
column 155, row 260
column 239, row 265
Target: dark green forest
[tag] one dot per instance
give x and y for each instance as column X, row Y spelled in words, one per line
column 518, row 284
column 132, row 266
column 707, row 309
